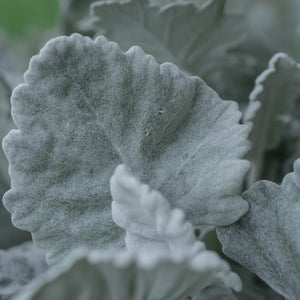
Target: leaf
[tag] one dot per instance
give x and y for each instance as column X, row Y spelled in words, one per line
column 272, row 102
column 85, row 108
column 18, row 266
column 266, row 239
column 131, row 276
column 200, row 41
column 146, row 215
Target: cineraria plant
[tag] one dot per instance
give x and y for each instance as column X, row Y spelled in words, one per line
column 124, row 158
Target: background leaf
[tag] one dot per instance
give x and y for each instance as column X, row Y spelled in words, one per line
column 270, row 110
column 202, row 42
column 266, row 239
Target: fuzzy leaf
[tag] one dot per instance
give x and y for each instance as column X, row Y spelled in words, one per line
column 200, row 41
column 137, row 276
column 86, row 107
column 147, row 217
column 266, row 240
column 18, row 266
column 271, row 104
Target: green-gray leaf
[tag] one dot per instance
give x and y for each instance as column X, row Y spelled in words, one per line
column 200, row 41
column 270, row 108
column 128, row 276
column 86, row 107
column 266, row 240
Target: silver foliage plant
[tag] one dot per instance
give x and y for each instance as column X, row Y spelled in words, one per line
column 123, row 160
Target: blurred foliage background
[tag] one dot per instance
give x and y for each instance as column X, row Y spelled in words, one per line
column 19, row 17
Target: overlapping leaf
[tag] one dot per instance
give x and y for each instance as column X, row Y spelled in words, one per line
column 18, row 266
column 86, row 107
column 149, row 221
column 144, row 275
column 270, row 110
column 200, row 41
column 266, row 240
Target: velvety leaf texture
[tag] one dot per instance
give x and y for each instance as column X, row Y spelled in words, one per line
column 148, row 219
column 266, row 240
column 86, row 107
column 128, row 276
column 270, row 108
column 18, row 266
column 201, row 41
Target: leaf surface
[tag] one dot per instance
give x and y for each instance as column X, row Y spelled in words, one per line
column 85, row 108
column 266, row 240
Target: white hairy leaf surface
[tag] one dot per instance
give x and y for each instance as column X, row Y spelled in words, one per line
column 86, row 107
column 266, row 240
column 132, row 276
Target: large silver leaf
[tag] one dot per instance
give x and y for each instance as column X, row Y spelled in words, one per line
column 129, row 276
column 202, row 41
column 86, row 107
column 270, row 110
column 266, row 240
column 18, row 266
